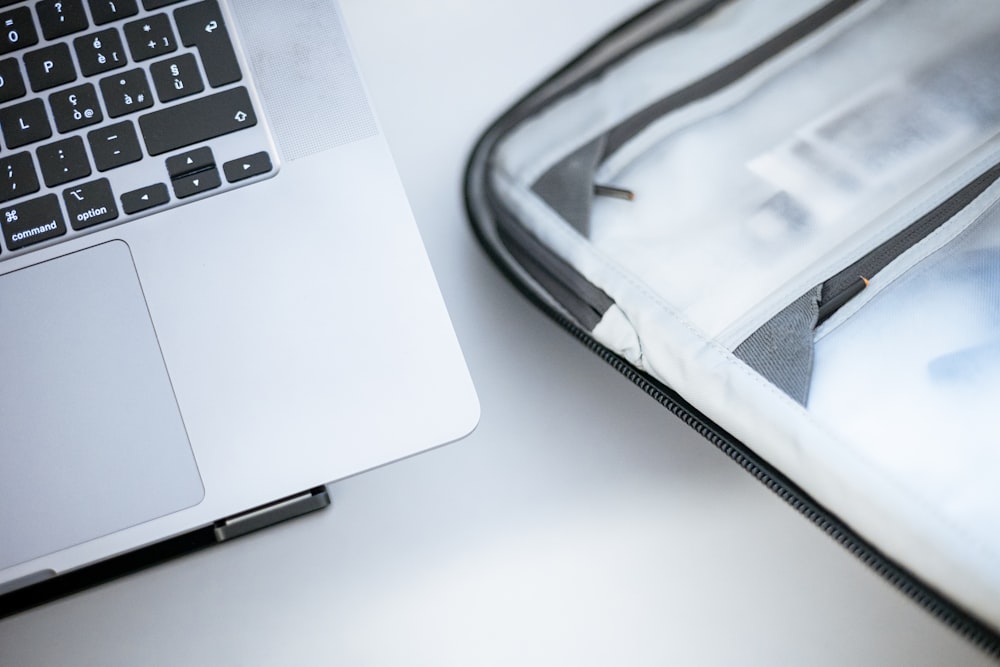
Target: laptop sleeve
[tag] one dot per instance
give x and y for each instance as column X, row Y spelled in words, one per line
column 782, row 221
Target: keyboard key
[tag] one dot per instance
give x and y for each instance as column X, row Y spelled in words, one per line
column 196, row 183
column 61, row 17
column 126, row 92
column 201, row 25
column 25, row 123
column 100, row 52
column 156, row 4
column 176, row 77
column 197, row 121
column 247, row 167
column 106, row 11
column 63, row 161
column 189, row 162
column 17, row 30
column 114, row 145
column 17, row 176
column 75, row 107
column 150, row 37
column 11, row 81
column 145, row 198
column 90, row 204
column 32, row 221
column 49, row 67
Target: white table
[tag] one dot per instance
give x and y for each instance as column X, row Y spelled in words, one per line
column 581, row 524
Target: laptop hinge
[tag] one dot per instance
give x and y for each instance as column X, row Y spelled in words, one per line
column 271, row 513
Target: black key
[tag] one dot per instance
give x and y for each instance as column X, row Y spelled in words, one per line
column 32, row 221
column 17, row 176
column 61, row 17
column 176, row 77
column 25, row 123
column 194, row 184
column 114, row 145
column 49, row 67
column 90, row 204
column 100, row 52
column 145, row 198
column 190, row 162
column 17, row 30
column 63, row 161
column 247, row 167
column 197, row 121
column 106, row 11
column 201, row 25
column 150, row 37
column 126, row 92
column 11, row 81
column 75, row 107
column 156, row 4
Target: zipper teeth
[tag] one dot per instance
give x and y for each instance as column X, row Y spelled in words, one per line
column 966, row 626
column 924, row 226
column 952, row 207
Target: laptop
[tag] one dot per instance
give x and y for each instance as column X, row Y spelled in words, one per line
column 214, row 299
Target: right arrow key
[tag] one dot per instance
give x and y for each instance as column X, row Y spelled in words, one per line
column 247, row 167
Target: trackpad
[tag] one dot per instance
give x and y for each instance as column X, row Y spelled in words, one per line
column 91, row 438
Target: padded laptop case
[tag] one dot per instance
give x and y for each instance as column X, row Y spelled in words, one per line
column 782, row 221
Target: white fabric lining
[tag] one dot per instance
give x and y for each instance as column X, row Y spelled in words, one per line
column 691, row 231
column 955, row 558
column 651, row 331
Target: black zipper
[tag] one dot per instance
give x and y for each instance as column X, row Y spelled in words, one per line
column 845, row 282
column 937, row 605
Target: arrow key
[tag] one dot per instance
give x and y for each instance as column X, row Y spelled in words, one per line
column 247, row 167
column 145, row 198
column 190, row 162
column 196, row 183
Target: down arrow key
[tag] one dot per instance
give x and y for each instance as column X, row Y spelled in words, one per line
column 196, row 183
column 247, row 167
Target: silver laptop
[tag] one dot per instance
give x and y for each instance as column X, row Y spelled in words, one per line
column 213, row 296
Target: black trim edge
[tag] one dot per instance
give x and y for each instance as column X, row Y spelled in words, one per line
column 116, row 567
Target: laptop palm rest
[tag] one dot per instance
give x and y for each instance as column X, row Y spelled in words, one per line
column 91, row 437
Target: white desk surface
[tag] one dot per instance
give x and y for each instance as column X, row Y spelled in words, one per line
column 581, row 524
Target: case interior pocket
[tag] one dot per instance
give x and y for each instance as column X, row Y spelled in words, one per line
column 741, row 192
column 782, row 349
column 910, row 377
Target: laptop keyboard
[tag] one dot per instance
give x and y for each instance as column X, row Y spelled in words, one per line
column 114, row 109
